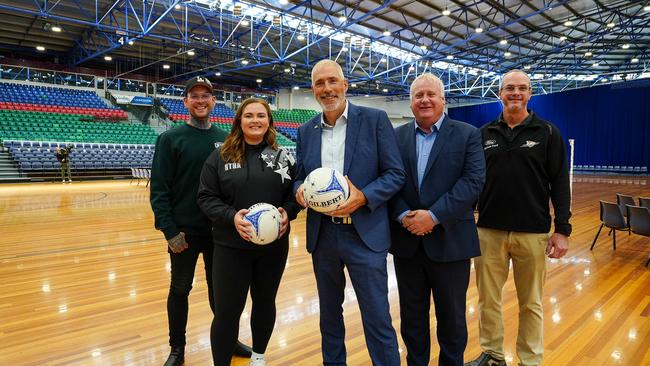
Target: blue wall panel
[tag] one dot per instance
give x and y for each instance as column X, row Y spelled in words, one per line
column 610, row 123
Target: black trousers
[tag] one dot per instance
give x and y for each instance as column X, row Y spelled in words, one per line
column 234, row 272
column 418, row 279
column 183, row 266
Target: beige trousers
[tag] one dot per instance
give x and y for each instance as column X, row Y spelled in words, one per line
column 527, row 252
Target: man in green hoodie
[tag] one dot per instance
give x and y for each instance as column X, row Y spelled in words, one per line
column 177, row 163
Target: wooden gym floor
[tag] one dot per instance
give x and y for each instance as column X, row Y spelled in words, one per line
column 84, row 280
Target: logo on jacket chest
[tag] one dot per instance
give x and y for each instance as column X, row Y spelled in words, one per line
column 230, row 166
column 489, row 144
column 529, row 144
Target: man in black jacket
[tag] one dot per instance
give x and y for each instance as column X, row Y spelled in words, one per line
column 63, row 156
column 526, row 166
column 177, row 163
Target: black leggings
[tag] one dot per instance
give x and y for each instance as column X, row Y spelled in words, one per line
column 234, row 271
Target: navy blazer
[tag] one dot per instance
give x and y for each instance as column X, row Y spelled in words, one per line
column 453, row 180
column 373, row 164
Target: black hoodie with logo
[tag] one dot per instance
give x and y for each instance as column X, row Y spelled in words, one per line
column 225, row 188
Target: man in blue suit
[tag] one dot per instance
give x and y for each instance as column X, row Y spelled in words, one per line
column 360, row 143
column 433, row 230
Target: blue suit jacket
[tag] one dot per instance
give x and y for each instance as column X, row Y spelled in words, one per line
column 373, row 164
column 452, row 182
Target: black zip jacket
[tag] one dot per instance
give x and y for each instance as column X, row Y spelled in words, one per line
column 225, row 188
column 524, row 168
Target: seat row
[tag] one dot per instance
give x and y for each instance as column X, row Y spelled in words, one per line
column 610, row 169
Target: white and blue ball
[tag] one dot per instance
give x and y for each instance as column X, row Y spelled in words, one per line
column 265, row 219
column 325, row 190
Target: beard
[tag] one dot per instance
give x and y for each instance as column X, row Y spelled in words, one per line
column 329, row 107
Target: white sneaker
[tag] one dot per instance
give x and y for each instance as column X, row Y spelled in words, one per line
column 257, row 361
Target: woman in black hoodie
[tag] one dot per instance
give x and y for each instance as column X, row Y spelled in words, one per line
column 248, row 168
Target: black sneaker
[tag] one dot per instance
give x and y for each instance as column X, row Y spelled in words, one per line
column 176, row 357
column 486, row 360
column 242, row 350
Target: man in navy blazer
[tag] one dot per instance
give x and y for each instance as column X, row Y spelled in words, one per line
column 360, row 143
column 433, row 230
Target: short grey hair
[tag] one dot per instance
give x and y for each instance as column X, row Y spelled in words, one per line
column 513, row 71
column 324, row 62
column 428, row 76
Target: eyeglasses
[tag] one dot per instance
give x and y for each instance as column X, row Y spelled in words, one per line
column 201, row 97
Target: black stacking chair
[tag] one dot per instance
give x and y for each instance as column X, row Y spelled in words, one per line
column 612, row 217
column 639, row 219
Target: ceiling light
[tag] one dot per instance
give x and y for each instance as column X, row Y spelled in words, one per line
column 287, row 70
column 385, row 90
column 131, row 43
column 40, row 48
column 353, row 85
column 595, row 64
column 284, row 2
column 563, row 38
column 446, row 12
column 217, row 73
column 244, row 62
column 634, row 60
column 604, row 80
column 423, row 47
column 296, row 87
column 503, row 41
column 245, row 23
column 259, row 81
column 478, row 30
column 450, row 57
column 166, row 67
column 507, row 54
column 527, row 67
column 646, row 8
column 568, row 23
column 301, row 37
column 611, row 25
column 343, row 18
column 344, row 49
column 56, row 28
column 411, row 68
column 588, row 54
column 625, row 46
column 386, row 33
column 367, row 95
column 177, row 7
column 108, row 58
column 191, row 53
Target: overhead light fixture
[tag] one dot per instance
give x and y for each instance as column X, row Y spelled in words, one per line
column 634, row 60
column 353, row 85
column 284, row 2
column 588, row 54
column 217, row 73
column 568, row 23
column 301, row 37
column 423, row 47
column 245, row 23
column 344, row 49
column 604, row 80
column 108, row 58
column 507, row 54
column 527, row 67
column 177, row 7
column 40, row 48
column 411, row 68
column 646, row 8
column 131, row 43
column 56, row 28
column 244, row 62
column 611, row 25
column 563, row 38
column 296, row 87
column 595, row 64
column 287, row 70
column 478, row 30
column 625, row 46
column 450, row 57
column 259, row 81
column 446, row 12
column 343, row 18
column 386, row 33
column 191, row 53
column 503, row 41
column 385, row 90
column 166, row 67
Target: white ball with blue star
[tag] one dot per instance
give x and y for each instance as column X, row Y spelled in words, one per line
column 325, row 189
column 265, row 219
